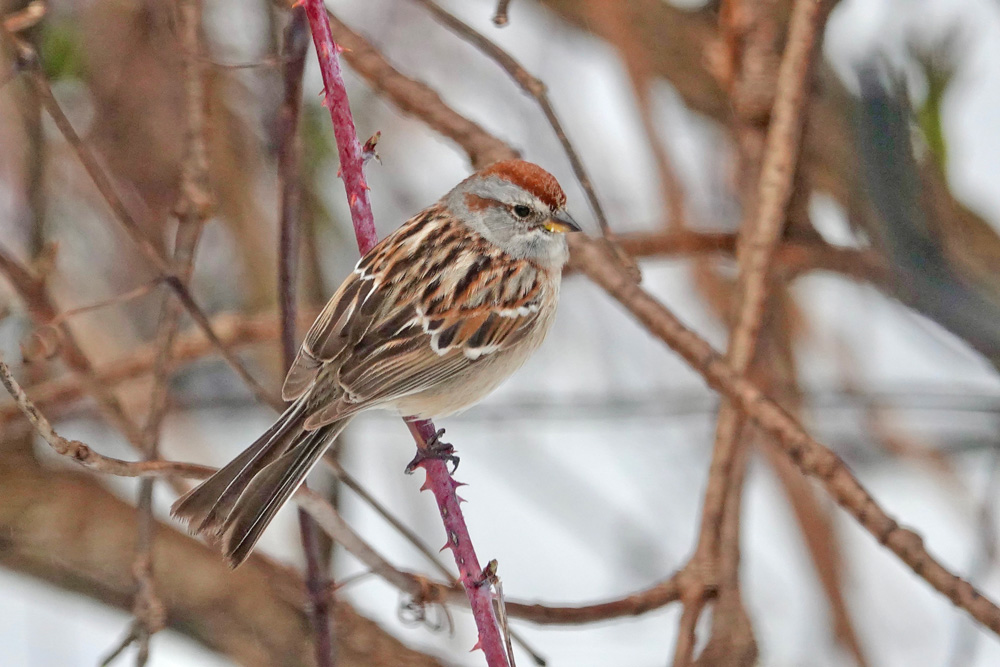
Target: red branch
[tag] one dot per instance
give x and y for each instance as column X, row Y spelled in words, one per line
column 438, row 481
column 348, row 146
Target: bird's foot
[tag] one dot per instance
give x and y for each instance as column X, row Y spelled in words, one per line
column 434, row 449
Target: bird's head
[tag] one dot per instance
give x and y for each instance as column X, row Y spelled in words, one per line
column 518, row 206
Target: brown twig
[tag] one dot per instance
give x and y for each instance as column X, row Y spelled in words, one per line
column 135, row 293
column 806, row 452
column 533, row 87
column 617, row 18
column 42, row 310
column 27, row 60
column 192, row 210
column 632, row 605
column 296, row 41
column 500, row 15
column 758, row 240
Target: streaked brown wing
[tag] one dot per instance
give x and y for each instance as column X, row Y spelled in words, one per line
column 411, row 317
column 324, row 338
column 381, row 370
column 350, row 311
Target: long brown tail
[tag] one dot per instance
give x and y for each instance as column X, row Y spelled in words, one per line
column 237, row 503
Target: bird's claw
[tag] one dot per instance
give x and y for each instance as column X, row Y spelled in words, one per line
column 435, row 448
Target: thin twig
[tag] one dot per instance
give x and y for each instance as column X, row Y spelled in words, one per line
column 28, row 61
column 135, row 293
column 634, row 604
column 500, row 16
column 533, row 87
column 35, row 295
column 810, row 456
column 192, row 210
column 759, row 237
column 296, row 41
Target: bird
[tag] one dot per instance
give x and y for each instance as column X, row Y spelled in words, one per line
column 430, row 321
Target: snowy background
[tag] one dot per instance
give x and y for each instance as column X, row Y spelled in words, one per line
column 586, row 470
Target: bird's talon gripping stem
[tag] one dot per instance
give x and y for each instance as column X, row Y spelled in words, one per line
column 434, row 449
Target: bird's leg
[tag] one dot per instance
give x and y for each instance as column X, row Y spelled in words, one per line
column 434, row 448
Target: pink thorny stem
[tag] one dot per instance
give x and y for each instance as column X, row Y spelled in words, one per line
column 439, row 481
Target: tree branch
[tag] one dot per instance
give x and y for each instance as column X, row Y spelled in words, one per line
column 27, row 60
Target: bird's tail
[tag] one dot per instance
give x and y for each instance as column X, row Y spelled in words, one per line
column 236, row 504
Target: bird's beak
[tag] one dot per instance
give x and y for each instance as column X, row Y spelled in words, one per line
column 561, row 222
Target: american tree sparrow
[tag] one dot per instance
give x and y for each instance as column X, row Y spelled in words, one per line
column 432, row 319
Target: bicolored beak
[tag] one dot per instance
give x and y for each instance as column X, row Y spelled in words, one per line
column 561, row 222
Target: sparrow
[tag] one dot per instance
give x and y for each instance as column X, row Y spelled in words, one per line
column 431, row 320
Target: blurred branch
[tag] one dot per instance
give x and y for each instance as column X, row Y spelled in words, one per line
column 759, row 234
column 27, row 61
column 43, row 312
column 677, row 40
column 500, row 16
column 296, row 42
column 533, row 87
column 25, row 18
column 255, row 615
column 601, row 265
column 192, row 210
column 614, row 14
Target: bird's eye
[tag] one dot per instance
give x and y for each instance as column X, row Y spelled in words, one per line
column 522, row 211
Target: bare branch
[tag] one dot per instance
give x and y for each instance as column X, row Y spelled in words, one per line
column 500, row 16
column 296, row 41
column 28, row 61
column 533, row 87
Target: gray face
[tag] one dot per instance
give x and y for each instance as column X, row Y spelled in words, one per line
column 511, row 217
